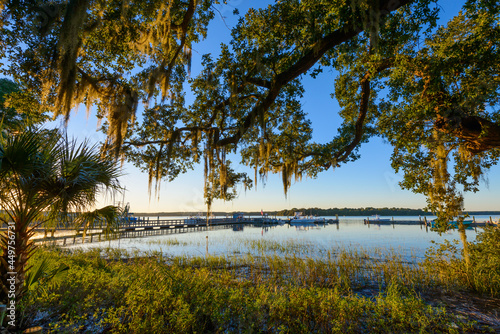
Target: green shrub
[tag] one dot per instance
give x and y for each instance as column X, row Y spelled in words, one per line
column 447, row 263
column 107, row 290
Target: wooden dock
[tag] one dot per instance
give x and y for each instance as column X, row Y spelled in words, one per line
column 423, row 222
column 131, row 228
column 161, row 224
column 143, row 227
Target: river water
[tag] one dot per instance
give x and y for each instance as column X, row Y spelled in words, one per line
column 410, row 241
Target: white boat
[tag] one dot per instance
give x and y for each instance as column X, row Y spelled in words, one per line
column 376, row 218
column 300, row 219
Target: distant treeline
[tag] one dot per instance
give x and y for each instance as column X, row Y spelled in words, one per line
column 306, row 211
column 320, row 212
column 355, row 212
column 370, row 212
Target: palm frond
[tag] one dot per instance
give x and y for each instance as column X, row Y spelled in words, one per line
column 107, row 217
column 42, row 272
column 42, row 175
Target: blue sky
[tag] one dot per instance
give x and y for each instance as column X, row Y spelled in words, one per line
column 370, row 181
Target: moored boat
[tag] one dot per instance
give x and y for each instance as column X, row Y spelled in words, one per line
column 300, row 219
column 376, row 219
column 454, row 223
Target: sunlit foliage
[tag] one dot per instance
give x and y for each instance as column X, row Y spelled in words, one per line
column 430, row 91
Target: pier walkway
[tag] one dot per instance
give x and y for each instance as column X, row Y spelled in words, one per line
column 139, row 227
column 160, row 224
column 132, row 227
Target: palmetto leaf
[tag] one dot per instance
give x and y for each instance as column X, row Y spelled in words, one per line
column 42, row 270
column 107, row 217
column 43, row 174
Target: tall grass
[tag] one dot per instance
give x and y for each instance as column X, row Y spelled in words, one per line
column 168, row 242
column 281, row 289
column 112, row 290
column 481, row 274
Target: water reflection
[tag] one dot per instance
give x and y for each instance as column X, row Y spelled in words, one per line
column 313, row 240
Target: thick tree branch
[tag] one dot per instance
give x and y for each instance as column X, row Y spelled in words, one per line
column 479, row 133
column 226, row 102
column 94, row 82
column 259, row 82
column 167, row 141
column 343, row 154
column 360, row 122
column 310, row 58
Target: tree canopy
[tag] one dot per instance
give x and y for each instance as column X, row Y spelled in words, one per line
column 18, row 107
column 430, row 91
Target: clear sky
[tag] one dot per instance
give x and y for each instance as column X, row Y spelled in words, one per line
column 370, row 181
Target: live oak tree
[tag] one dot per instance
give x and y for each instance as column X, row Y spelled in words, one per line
column 18, row 107
column 437, row 98
column 441, row 111
column 430, row 91
column 109, row 54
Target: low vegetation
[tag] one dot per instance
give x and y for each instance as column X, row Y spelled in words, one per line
column 110, row 290
column 480, row 275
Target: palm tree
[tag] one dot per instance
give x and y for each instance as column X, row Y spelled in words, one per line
column 108, row 218
column 43, row 174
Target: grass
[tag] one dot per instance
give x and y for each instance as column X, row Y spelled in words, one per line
column 481, row 274
column 279, row 290
column 168, row 242
column 283, row 247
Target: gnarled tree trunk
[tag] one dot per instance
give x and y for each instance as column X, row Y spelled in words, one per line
column 479, row 133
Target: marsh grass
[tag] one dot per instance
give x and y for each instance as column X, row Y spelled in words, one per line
column 284, row 247
column 168, row 242
column 480, row 274
column 273, row 287
column 120, row 292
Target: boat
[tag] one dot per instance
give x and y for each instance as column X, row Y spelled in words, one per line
column 454, row 223
column 376, row 218
column 298, row 218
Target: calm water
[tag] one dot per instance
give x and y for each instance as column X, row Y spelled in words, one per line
column 411, row 241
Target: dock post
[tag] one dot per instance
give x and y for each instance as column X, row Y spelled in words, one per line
column 425, row 221
column 91, row 237
column 74, row 239
column 64, row 242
